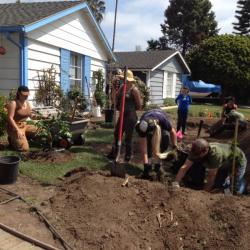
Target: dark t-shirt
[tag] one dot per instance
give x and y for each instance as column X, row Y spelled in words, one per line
column 162, row 117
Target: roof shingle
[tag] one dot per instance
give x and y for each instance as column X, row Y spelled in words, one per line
column 142, row 59
column 20, row 14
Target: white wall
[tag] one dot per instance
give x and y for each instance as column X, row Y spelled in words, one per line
column 9, row 66
column 41, row 56
column 73, row 32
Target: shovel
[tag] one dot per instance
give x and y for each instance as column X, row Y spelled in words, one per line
column 117, row 169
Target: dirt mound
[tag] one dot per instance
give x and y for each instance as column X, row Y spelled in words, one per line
column 93, row 211
column 50, row 156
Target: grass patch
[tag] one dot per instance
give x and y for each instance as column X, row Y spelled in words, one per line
column 85, row 155
column 197, row 110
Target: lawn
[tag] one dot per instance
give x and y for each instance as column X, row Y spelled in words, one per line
column 206, row 110
column 85, row 155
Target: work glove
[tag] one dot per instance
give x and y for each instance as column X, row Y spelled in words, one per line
column 175, row 185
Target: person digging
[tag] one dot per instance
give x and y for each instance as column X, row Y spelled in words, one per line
column 154, row 129
column 214, row 157
column 133, row 103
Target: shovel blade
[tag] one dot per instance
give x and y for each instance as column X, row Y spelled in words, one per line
column 118, row 169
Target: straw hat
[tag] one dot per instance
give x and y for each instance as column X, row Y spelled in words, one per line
column 130, row 76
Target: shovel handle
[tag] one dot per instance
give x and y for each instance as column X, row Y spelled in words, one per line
column 234, row 153
column 122, row 105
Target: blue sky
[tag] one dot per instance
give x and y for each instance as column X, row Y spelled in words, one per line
column 139, row 20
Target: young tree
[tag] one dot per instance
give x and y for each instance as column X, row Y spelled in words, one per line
column 186, row 24
column 98, row 8
column 223, row 60
column 242, row 27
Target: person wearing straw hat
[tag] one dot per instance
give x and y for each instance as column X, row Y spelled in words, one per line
column 154, row 129
column 18, row 112
column 214, row 156
column 133, row 103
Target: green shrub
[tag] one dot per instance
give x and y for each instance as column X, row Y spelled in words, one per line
column 100, row 96
column 49, row 92
column 144, row 91
column 3, row 115
column 151, row 106
column 217, row 114
column 169, row 101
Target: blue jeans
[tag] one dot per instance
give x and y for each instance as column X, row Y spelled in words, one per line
column 240, row 175
column 182, row 120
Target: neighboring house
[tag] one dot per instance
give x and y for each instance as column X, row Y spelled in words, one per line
column 39, row 34
column 161, row 70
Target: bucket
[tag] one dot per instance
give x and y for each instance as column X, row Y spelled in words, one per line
column 97, row 111
column 109, row 114
column 9, row 169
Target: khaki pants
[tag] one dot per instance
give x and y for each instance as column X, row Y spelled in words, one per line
column 21, row 144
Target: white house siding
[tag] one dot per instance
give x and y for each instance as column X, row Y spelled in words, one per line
column 9, row 66
column 41, row 56
column 174, row 66
column 74, row 33
column 156, row 84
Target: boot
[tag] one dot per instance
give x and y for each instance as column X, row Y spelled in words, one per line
column 159, row 172
column 146, row 172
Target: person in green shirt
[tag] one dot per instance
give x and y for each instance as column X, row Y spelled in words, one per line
column 213, row 156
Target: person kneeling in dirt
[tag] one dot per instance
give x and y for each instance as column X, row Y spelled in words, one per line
column 214, row 157
column 18, row 112
column 229, row 116
column 154, row 129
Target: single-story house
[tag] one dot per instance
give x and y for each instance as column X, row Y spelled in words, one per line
column 36, row 35
column 162, row 71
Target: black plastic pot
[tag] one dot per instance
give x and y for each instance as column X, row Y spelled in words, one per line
column 109, row 115
column 9, row 169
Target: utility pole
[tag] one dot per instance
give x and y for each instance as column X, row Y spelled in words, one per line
column 113, row 43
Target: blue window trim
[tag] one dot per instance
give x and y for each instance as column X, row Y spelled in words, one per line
column 23, row 58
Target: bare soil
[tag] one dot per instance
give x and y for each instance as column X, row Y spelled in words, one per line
column 92, row 210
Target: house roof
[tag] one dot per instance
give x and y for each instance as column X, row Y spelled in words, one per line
column 146, row 59
column 21, row 14
column 25, row 17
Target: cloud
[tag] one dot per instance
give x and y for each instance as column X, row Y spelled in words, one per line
column 224, row 11
column 137, row 22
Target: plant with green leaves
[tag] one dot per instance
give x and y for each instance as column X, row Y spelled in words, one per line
column 242, row 26
column 49, row 92
column 186, row 24
column 143, row 89
column 74, row 101
column 98, row 8
column 52, row 130
column 3, row 115
column 99, row 94
column 223, row 60
column 169, row 101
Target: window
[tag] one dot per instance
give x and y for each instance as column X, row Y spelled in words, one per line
column 169, row 87
column 75, row 71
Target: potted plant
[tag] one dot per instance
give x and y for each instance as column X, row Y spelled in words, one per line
column 99, row 94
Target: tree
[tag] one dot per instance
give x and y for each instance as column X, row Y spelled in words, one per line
column 186, row 23
column 225, row 60
column 242, row 27
column 98, row 8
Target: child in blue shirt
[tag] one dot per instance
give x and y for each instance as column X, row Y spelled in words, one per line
column 183, row 100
